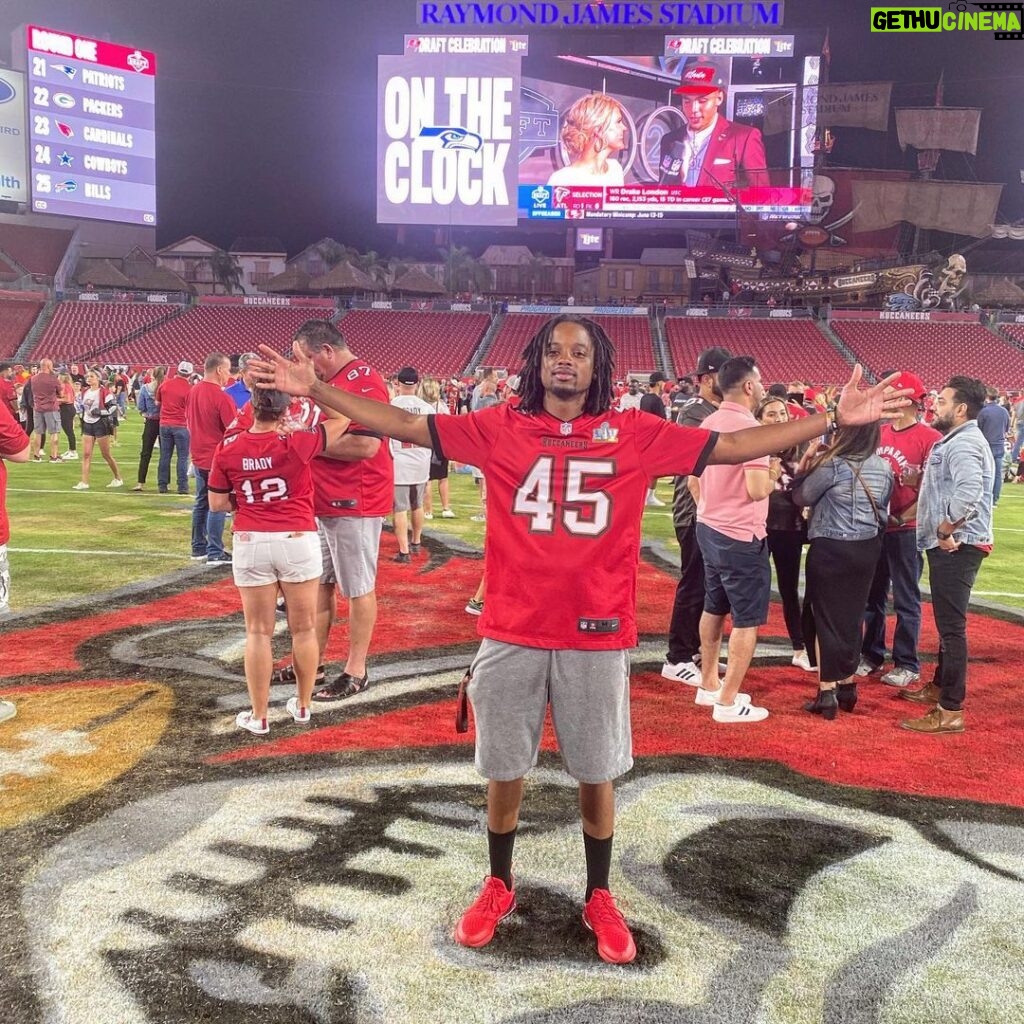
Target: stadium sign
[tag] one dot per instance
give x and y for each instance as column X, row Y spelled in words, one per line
column 606, row 15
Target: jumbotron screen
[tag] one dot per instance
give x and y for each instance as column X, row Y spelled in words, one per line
column 465, row 137
column 91, row 125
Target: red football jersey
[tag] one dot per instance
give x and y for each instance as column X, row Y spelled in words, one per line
column 172, row 396
column 12, row 440
column 564, row 503
column 364, row 488
column 905, row 449
column 271, row 478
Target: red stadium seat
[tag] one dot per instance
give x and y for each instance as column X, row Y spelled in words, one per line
column 16, row 318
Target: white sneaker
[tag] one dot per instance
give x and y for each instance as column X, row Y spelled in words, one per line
column 447, row 514
column 709, row 698
column 800, row 660
column 653, row 501
column 7, row 710
column 80, row 486
column 69, row 457
column 738, row 713
column 301, row 715
column 866, row 668
column 683, row 672
column 901, row 677
column 116, row 483
column 428, row 515
column 245, row 720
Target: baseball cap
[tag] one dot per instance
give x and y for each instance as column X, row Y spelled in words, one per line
column 711, row 360
column 657, row 377
column 407, row 375
column 185, row 368
column 702, row 75
column 910, row 380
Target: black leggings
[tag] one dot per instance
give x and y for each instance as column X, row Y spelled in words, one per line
column 67, row 422
column 785, row 547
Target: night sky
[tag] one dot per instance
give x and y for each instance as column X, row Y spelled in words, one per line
column 265, row 111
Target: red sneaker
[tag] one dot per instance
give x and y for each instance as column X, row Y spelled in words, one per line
column 614, row 940
column 493, row 905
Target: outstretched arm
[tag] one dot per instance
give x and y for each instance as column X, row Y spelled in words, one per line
column 856, row 406
column 296, row 377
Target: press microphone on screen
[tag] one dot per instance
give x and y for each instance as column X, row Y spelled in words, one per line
column 672, row 162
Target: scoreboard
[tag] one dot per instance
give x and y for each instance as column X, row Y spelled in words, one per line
column 91, row 121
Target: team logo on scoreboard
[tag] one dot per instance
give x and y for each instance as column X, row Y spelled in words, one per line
column 65, row 129
column 138, row 61
column 414, row 44
column 7, row 92
column 68, row 185
column 561, row 194
column 65, row 159
column 540, row 195
column 454, row 138
column 62, row 99
column 65, row 69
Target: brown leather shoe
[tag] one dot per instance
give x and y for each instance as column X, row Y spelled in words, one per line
column 938, row 720
column 928, row 694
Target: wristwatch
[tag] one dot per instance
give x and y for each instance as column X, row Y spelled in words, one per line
column 942, row 535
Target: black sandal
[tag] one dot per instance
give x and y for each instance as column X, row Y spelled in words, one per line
column 345, row 685
column 285, row 675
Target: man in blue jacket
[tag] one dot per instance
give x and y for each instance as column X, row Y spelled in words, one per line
column 954, row 529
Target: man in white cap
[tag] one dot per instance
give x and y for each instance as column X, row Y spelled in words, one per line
column 710, row 152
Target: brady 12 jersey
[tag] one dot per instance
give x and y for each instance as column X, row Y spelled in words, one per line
column 565, row 502
column 271, row 478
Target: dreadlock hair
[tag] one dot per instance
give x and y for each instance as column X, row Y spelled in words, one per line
column 599, row 396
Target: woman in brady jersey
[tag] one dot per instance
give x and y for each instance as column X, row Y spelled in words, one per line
column 263, row 474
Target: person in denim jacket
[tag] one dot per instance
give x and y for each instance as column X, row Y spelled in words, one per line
column 848, row 487
column 954, row 529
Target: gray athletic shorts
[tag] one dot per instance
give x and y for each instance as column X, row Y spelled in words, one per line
column 589, row 696
column 409, row 496
column 47, row 422
column 350, row 545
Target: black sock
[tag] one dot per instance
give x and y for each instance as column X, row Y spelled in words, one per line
column 499, row 849
column 599, row 862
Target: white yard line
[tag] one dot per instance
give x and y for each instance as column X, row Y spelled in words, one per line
column 77, row 551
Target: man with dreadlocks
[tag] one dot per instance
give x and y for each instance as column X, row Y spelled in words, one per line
column 568, row 478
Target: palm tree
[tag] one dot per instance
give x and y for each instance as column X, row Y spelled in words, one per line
column 332, row 252
column 226, row 271
column 534, row 268
column 463, row 272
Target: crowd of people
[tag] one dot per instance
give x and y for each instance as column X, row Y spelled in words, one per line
column 309, row 454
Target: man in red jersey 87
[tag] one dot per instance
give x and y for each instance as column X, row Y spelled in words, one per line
column 263, row 473
column 569, row 477
column 353, row 488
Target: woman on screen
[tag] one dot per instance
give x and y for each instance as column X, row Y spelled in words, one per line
column 593, row 129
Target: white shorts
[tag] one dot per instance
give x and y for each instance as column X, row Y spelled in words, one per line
column 261, row 558
column 349, row 545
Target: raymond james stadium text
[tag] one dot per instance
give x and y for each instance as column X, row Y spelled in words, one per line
column 1005, row 23
column 750, row 15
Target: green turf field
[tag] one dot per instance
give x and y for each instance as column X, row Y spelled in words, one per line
column 66, row 543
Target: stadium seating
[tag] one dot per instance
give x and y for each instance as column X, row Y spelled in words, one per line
column 1015, row 332
column 439, row 344
column 38, row 250
column 81, row 328
column 631, row 335
column 16, row 317
column 934, row 351
column 785, row 349
column 204, row 329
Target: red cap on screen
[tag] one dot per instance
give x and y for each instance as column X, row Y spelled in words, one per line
column 701, row 75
